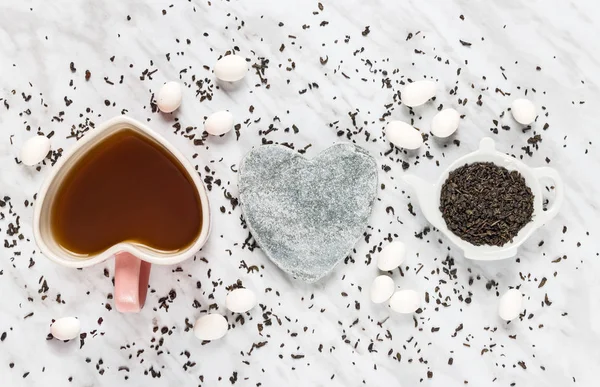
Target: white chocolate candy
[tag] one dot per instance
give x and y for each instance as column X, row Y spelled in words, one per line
column 35, row 150
column 403, row 135
column 211, row 327
column 169, row 97
column 382, row 289
column 391, row 256
column 66, row 328
column 417, row 93
column 231, row 68
column 523, row 110
column 240, row 300
column 405, row 301
column 219, row 123
column 445, row 123
column 511, row 304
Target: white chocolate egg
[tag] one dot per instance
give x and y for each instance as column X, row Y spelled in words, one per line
column 403, row 135
column 35, row 150
column 240, row 300
column 219, row 123
column 231, row 68
column 523, row 110
column 511, row 305
column 445, row 123
column 417, row 93
column 66, row 328
column 211, row 327
column 169, row 97
column 382, row 289
column 405, row 301
column 391, row 256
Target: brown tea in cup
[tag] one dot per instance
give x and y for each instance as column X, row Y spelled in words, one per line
column 127, row 188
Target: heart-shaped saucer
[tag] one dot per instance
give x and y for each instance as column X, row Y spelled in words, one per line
column 306, row 215
column 42, row 224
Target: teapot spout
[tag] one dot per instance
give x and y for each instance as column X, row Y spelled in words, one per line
column 426, row 196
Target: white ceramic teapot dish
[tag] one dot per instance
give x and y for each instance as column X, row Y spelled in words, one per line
column 428, row 196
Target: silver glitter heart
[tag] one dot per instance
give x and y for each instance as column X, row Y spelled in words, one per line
column 307, row 215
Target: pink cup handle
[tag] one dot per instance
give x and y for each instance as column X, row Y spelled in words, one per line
column 131, row 282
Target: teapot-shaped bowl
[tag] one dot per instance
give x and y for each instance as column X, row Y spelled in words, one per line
column 428, row 196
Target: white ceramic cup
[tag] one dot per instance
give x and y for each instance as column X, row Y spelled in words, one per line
column 132, row 261
column 428, row 195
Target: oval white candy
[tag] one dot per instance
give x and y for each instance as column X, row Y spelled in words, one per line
column 169, row 97
column 391, row 256
column 403, row 135
column 417, row 93
column 231, row 68
column 405, row 301
column 219, row 123
column 445, row 123
column 66, row 328
column 35, row 150
column 210, row 327
column 240, row 300
column 511, row 304
column 382, row 289
column 523, row 110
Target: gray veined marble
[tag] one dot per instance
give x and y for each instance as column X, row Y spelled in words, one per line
column 307, row 214
column 328, row 333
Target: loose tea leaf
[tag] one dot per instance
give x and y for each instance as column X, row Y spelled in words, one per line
column 485, row 204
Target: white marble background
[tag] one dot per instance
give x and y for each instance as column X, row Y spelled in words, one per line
column 327, row 334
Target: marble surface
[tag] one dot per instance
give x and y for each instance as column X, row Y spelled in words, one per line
column 321, row 74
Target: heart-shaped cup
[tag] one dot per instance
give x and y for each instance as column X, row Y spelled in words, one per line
column 132, row 261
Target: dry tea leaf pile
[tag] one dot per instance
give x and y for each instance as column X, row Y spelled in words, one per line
column 485, row 204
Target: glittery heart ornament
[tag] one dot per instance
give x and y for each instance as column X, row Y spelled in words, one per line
column 307, row 215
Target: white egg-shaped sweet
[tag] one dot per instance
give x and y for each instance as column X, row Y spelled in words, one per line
column 35, row 150
column 391, row 256
column 231, row 68
column 445, row 123
column 211, row 327
column 66, row 328
column 382, row 289
column 403, row 135
column 523, row 110
column 405, row 301
column 169, row 97
column 417, row 93
column 511, row 304
column 219, row 123
column 240, row 300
